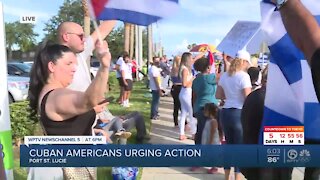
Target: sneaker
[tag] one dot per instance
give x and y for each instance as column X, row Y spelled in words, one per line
column 123, row 134
column 143, row 140
column 182, row 137
column 212, row 170
column 155, row 118
column 223, row 142
column 147, row 137
column 194, row 168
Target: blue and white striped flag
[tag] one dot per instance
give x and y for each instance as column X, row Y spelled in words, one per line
column 140, row 12
column 290, row 97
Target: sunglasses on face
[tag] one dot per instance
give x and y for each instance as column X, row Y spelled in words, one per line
column 81, row 36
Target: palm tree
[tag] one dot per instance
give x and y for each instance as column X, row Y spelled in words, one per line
column 86, row 18
column 131, row 50
column 126, row 36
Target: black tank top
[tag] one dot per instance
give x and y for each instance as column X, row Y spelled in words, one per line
column 76, row 126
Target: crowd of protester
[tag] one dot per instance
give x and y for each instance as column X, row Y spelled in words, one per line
column 216, row 107
column 220, row 107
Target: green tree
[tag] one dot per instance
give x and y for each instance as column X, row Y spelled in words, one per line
column 116, row 41
column 10, row 37
column 71, row 10
column 21, row 35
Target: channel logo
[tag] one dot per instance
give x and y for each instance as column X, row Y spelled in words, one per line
column 293, row 156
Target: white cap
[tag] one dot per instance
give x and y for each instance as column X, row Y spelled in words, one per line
column 243, row 54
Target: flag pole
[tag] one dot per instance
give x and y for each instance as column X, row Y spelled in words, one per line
column 5, row 128
column 95, row 24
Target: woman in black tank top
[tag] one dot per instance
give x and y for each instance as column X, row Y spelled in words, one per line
column 63, row 111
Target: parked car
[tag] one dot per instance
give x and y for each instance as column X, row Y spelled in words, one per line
column 94, row 67
column 18, row 69
column 18, row 88
column 29, row 63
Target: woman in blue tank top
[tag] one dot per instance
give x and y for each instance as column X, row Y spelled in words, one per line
column 176, row 88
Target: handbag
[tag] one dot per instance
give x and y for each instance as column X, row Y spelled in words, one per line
column 125, row 173
column 76, row 173
column 79, row 173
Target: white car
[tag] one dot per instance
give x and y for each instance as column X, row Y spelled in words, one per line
column 29, row 63
column 94, row 67
column 18, row 88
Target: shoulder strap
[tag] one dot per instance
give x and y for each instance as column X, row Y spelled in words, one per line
column 43, row 129
column 44, row 99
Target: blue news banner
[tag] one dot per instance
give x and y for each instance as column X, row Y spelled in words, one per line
column 169, row 155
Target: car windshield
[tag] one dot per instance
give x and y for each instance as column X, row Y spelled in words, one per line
column 23, row 67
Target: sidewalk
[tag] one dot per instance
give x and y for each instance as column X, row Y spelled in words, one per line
column 163, row 132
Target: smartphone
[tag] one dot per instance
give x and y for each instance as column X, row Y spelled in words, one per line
column 108, row 99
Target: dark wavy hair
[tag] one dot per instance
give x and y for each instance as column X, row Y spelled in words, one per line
column 39, row 73
column 211, row 110
column 201, row 64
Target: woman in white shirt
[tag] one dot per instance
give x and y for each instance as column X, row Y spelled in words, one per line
column 185, row 95
column 234, row 86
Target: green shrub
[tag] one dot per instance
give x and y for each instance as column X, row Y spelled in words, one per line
column 22, row 123
column 113, row 82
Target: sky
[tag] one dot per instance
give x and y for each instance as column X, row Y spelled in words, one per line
column 196, row 21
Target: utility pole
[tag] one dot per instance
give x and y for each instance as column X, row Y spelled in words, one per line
column 5, row 128
column 136, row 32
column 138, row 49
column 150, row 45
column 140, row 46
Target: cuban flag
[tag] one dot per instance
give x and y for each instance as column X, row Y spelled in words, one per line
column 140, row 12
column 290, row 97
column 211, row 62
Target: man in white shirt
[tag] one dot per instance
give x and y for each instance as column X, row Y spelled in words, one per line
column 72, row 35
column 119, row 62
column 155, row 86
column 126, row 74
